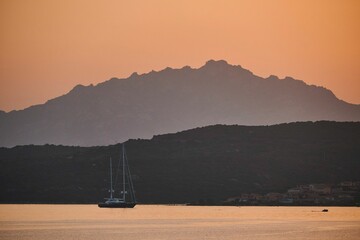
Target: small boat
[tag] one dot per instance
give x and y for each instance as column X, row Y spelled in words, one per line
column 127, row 195
column 325, row 210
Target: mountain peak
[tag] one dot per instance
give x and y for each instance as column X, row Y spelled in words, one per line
column 80, row 88
column 216, row 63
column 134, row 75
column 222, row 67
column 273, row 77
column 216, row 66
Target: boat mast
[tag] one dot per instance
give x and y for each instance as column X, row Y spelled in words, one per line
column 132, row 192
column 123, row 158
column 111, row 186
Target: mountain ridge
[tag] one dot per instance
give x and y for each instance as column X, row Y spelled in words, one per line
column 170, row 100
column 213, row 162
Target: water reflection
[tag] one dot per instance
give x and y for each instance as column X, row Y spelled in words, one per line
column 177, row 222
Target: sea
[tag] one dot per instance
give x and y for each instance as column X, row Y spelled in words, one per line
column 172, row 222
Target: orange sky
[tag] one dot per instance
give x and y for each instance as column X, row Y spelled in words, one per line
column 49, row 46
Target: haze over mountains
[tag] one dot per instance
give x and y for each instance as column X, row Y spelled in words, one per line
column 170, row 100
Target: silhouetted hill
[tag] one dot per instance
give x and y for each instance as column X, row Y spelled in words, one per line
column 170, row 100
column 213, row 162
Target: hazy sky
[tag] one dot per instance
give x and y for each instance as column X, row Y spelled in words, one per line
column 49, row 46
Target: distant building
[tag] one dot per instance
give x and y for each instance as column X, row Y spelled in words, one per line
column 320, row 188
column 347, row 184
column 273, row 196
column 294, row 191
column 304, row 188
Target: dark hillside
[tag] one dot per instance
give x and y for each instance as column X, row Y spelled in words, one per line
column 214, row 162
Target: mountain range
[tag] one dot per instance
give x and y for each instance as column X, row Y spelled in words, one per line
column 170, row 100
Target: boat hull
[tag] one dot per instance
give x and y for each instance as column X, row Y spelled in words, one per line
column 116, row 205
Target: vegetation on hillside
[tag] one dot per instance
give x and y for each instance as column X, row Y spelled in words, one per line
column 210, row 163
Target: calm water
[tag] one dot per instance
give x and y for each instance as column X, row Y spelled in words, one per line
column 177, row 222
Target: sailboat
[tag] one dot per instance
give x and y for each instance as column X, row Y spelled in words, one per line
column 127, row 195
